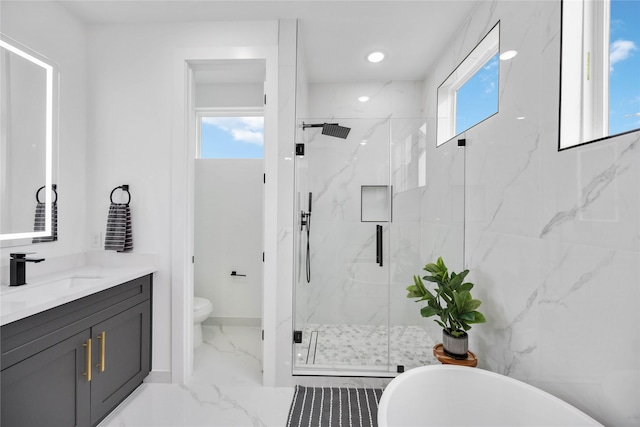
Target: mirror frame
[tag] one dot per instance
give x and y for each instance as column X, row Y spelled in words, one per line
column 52, row 80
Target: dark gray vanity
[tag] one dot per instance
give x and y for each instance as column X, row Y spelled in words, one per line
column 73, row 364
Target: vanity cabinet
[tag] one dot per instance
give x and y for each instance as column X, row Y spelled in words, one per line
column 73, row 364
column 47, row 389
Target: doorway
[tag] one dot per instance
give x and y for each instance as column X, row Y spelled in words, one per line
column 228, row 190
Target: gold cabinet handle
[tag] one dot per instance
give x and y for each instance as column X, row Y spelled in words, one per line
column 87, row 345
column 103, row 343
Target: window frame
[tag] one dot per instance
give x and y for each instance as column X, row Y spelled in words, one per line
column 584, row 74
column 446, row 94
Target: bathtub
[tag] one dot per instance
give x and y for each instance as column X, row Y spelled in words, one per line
column 447, row 395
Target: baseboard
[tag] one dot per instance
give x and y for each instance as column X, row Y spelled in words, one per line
column 158, row 377
column 233, row 321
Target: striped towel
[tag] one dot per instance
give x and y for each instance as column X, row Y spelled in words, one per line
column 119, row 237
column 39, row 222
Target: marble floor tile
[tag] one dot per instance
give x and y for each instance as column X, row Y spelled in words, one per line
column 225, row 389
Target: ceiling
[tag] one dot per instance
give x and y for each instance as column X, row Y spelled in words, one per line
column 336, row 34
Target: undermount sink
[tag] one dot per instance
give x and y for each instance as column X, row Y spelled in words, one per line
column 69, row 282
column 19, row 301
column 27, row 297
column 34, row 293
column 52, row 289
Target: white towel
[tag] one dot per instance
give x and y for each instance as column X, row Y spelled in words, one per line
column 119, row 236
column 39, row 222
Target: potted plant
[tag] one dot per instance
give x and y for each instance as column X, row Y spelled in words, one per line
column 451, row 301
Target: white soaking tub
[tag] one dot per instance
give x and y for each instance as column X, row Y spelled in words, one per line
column 447, row 395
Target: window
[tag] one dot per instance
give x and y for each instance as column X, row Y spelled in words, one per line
column 470, row 94
column 231, row 136
column 600, row 77
column 477, row 98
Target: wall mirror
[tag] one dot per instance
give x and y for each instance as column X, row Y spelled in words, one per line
column 599, row 86
column 28, row 129
column 470, row 94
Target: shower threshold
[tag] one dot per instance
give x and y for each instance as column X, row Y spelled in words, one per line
column 362, row 350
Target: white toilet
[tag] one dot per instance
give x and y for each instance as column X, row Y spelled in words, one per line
column 201, row 310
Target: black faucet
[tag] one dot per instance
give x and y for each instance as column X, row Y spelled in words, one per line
column 17, row 270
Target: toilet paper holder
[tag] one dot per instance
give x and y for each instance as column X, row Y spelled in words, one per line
column 234, row 273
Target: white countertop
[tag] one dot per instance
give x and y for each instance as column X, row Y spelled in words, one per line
column 61, row 287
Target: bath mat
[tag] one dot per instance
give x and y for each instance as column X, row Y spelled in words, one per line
column 339, row 407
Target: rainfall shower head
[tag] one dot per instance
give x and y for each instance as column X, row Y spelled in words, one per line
column 336, row 130
column 330, row 129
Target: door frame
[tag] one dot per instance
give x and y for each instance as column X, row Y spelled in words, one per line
column 182, row 189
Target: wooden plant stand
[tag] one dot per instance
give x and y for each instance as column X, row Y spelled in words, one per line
column 438, row 352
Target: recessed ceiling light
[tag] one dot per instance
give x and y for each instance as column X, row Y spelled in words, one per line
column 508, row 54
column 375, row 57
column 363, row 142
column 520, row 118
column 363, row 98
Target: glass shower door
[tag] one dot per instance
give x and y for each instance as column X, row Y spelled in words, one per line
column 343, row 209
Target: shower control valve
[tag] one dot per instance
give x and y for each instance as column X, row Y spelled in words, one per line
column 304, row 219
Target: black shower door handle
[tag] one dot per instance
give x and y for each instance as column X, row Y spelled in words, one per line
column 379, row 245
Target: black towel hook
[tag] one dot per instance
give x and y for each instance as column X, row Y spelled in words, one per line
column 54, row 188
column 124, row 187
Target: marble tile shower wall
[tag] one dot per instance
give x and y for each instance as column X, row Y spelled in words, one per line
column 552, row 238
column 442, row 214
column 347, row 285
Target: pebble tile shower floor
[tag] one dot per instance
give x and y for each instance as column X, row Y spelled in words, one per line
column 364, row 346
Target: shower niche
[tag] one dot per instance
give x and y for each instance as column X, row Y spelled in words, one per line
column 363, row 245
column 376, row 203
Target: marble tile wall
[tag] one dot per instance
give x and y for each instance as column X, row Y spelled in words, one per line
column 344, row 273
column 552, row 238
column 400, row 99
column 347, row 286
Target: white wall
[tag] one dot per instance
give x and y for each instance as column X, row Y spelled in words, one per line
column 551, row 237
column 279, row 300
column 230, row 95
column 50, row 30
column 131, row 122
column 228, row 236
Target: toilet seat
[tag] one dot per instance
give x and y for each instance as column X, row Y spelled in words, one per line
column 200, row 304
column 202, row 308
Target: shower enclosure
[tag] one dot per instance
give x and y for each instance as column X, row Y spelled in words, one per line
column 358, row 244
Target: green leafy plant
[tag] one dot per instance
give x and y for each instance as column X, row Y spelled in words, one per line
column 451, row 300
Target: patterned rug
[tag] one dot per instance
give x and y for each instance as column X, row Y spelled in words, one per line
column 340, row 407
